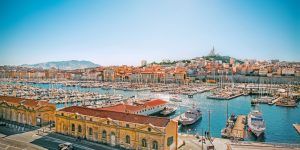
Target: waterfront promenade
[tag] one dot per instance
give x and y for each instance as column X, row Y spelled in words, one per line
column 44, row 138
column 191, row 142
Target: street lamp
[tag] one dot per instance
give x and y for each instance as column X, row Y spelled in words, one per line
column 202, row 139
column 209, row 121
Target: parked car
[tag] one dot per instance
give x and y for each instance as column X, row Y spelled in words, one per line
column 2, row 124
column 65, row 146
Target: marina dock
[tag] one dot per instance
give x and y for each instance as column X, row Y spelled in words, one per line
column 274, row 101
column 238, row 131
column 297, row 127
column 224, row 97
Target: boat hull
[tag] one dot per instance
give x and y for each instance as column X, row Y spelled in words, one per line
column 167, row 113
column 255, row 131
column 189, row 122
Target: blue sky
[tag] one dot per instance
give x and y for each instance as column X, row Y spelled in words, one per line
column 115, row 32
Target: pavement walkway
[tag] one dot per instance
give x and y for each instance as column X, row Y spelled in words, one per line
column 12, row 144
column 191, row 142
column 40, row 139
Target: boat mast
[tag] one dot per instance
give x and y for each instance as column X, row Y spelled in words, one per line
column 227, row 111
column 209, row 121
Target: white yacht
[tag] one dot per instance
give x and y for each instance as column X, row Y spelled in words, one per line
column 191, row 116
column 256, row 123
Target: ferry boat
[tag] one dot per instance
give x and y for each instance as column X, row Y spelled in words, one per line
column 256, row 123
column 191, row 116
column 168, row 110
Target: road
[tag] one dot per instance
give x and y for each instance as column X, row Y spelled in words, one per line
column 11, row 138
column 52, row 140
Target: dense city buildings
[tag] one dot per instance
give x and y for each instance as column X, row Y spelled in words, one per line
column 182, row 72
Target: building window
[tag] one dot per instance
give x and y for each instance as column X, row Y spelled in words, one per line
column 127, row 125
column 107, row 122
column 144, row 143
column 73, row 127
column 155, row 145
column 90, row 131
column 79, row 128
column 62, row 114
column 170, row 141
column 103, row 134
column 76, row 117
column 91, row 119
column 127, row 139
column 149, row 129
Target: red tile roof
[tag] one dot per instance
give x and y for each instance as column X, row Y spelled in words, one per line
column 134, row 108
column 121, row 116
column 26, row 102
column 123, row 108
column 155, row 102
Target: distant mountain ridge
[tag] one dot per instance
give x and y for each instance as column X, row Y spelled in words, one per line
column 63, row 65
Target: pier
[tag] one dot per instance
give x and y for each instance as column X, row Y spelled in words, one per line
column 297, row 127
column 238, row 131
column 274, row 101
column 217, row 97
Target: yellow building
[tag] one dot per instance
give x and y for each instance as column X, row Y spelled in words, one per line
column 26, row 111
column 119, row 129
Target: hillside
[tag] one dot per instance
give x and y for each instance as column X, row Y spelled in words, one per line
column 63, row 65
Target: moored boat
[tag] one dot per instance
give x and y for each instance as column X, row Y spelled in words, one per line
column 175, row 98
column 191, row 116
column 225, row 132
column 168, row 110
column 256, row 123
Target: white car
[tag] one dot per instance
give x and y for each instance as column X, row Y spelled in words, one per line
column 65, row 146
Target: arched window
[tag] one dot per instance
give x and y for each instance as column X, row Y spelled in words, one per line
column 127, row 139
column 144, row 143
column 103, row 134
column 79, row 128
column 90, row 131
column 155, row 145
column 73, row 127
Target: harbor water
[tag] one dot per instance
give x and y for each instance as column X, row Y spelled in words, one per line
column 279, row 120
